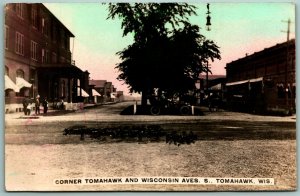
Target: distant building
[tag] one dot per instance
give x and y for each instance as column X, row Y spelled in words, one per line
column 38, row 58
column 107, row 91
column 264, row 81
column 208, row 84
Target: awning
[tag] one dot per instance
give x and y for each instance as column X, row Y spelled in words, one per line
column 9, row 84
column 83, row 93
column 95, row 93
column 216, row 87
column 22, row 83
column 245, row 81
column 112, row 96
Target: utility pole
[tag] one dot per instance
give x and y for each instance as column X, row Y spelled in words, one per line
column 287, row 62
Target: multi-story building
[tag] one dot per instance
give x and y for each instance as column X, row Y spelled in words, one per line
column 38, row 59
column 264, row 81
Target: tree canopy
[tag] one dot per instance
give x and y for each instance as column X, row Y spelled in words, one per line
column 168, row 51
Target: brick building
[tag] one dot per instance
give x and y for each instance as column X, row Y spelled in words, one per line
column 38, row 59
column 264, row 81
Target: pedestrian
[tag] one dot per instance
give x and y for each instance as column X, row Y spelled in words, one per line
column 29, row 107
column 45, row 105
column 25, row 105
column 37, row 104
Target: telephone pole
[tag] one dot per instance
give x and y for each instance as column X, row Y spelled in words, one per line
column 287, row 62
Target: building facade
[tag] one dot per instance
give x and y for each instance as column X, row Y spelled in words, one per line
column 264, row 81
column 38, row 60
column 107, row 91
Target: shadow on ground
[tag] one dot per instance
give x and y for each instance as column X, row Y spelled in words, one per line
column 145, row 110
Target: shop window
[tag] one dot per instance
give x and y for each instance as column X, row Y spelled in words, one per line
column 63, row 88
column 269, row 83
column 294, row 91
column 289, row 91
column 7, row 92
column 280, row 90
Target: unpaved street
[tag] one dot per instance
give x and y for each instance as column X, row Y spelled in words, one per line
column 229, row 145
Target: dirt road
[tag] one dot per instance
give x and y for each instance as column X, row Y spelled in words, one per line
column 36, row 152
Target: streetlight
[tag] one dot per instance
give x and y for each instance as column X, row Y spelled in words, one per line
column 208, row 23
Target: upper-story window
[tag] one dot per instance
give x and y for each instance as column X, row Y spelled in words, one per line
column 45, row 26
column 54, row 57
column 54, row 33
column 33, row 50
column 20, row 73
column 6, row 37
column 19, row 43
column 67, row 41
column 34, row 17
column 20, row 10
column 62, row 38
column 45, row 56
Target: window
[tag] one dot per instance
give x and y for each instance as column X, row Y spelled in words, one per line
column 45, row 56
column 34, row 17
column 6, row 37
column 54, row 33
column 45, row 26
column 19, row 46
column 20, row 10
column 54, row 57
column 63, row 87
column 33, row 50
column 66, row 42
column 62, row 39
column 280, row 90
column 20, row 73
column 6, row 71
column 62, row 59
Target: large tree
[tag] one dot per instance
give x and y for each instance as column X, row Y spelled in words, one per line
column 168, row 52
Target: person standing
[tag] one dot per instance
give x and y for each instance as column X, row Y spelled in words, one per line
column 25, row 105
column 45, row 105
column 37, row 104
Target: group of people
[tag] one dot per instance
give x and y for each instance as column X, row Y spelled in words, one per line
column 27, row 107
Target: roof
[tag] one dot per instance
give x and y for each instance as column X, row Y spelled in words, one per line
column 270, row 49
column 61, row 68
column 70, row 33
column 98, row 83
column 211, row 77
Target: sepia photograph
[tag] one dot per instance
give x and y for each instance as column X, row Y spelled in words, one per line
column 156, row 96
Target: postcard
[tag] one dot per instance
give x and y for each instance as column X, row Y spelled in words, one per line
column 150, row 96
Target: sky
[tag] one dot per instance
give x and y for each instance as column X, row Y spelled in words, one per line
column 237, row 28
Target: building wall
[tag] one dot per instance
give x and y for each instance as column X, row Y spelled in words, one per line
column 277, row 67
column 33, row 37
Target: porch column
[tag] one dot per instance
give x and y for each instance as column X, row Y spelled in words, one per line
column 69, row 90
